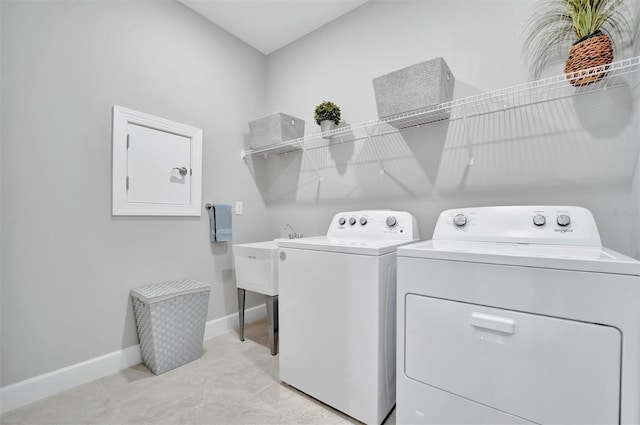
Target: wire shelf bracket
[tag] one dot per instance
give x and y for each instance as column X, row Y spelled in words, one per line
column 313, row 164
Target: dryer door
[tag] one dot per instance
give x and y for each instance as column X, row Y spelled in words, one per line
column 539, row 368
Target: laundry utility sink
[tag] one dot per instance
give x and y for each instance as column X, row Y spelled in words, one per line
column 257, row 271
column 257, row 267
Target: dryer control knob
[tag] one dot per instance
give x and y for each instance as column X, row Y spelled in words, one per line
column 539, row 220
column 563, row 220
column 392, row 221
column 363, row 220
column 460, row 220
column 341, row 221
column 352, row 221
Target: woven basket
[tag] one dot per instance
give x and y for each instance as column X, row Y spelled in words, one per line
column 596, row 50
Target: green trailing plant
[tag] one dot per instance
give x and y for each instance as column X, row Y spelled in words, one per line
column 557, row 24
column 327, row 111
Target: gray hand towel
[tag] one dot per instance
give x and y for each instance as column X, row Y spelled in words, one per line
column 220, row 218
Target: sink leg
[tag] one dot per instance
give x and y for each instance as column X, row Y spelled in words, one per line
column 241, row 296
column 272, row 318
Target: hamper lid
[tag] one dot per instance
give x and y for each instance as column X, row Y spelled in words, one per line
column 162, row 291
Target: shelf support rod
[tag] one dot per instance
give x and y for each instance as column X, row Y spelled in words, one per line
column 467, row 136
column 313, row 164
column 381, row 169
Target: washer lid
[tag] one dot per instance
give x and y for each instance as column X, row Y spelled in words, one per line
column 362, row 246
column 583, row 258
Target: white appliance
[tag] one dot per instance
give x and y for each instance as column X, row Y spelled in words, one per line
column 517, row 315
column 256, row 267
column 337, row 311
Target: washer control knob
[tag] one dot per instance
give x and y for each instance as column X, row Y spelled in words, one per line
column 341, row 221
column 460, row 220
column 563, row 220
column 392, row 221
column 539, row 220
column 363, row 221
column 352, row 221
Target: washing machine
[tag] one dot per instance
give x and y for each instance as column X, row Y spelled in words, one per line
column 337, row 311
column 517, row 315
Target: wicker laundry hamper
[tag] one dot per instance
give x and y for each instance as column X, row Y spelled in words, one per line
column 593, row 51
column 170, row 318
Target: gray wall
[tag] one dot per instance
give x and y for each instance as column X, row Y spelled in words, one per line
column 68, row 265
column 1, row 178
column 635, row 210
column 581, row 151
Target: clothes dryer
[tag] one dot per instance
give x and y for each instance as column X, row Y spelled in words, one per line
column 337, row 311
column 517, row 315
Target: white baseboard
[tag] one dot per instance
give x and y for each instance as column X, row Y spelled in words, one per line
column 45, row 385
column 227, row 323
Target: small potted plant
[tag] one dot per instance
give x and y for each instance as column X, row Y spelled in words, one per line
column 327, row 116
column 589, row 24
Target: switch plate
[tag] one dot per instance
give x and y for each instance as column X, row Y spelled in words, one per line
column 239, row 208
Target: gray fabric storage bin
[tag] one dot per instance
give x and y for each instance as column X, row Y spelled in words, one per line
column 170, row 317
column 275, row 128
column 415, row 87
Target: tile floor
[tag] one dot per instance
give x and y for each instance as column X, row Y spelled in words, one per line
column 232, row 383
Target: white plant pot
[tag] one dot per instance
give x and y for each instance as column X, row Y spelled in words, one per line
column 327, row 125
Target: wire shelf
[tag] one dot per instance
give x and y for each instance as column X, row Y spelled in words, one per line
column 546, row 90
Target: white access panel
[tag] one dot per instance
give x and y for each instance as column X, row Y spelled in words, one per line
column 537, row 368
column 157, row 165
column 154, row 162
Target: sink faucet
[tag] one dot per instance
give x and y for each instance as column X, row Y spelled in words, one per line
column 293, row 234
